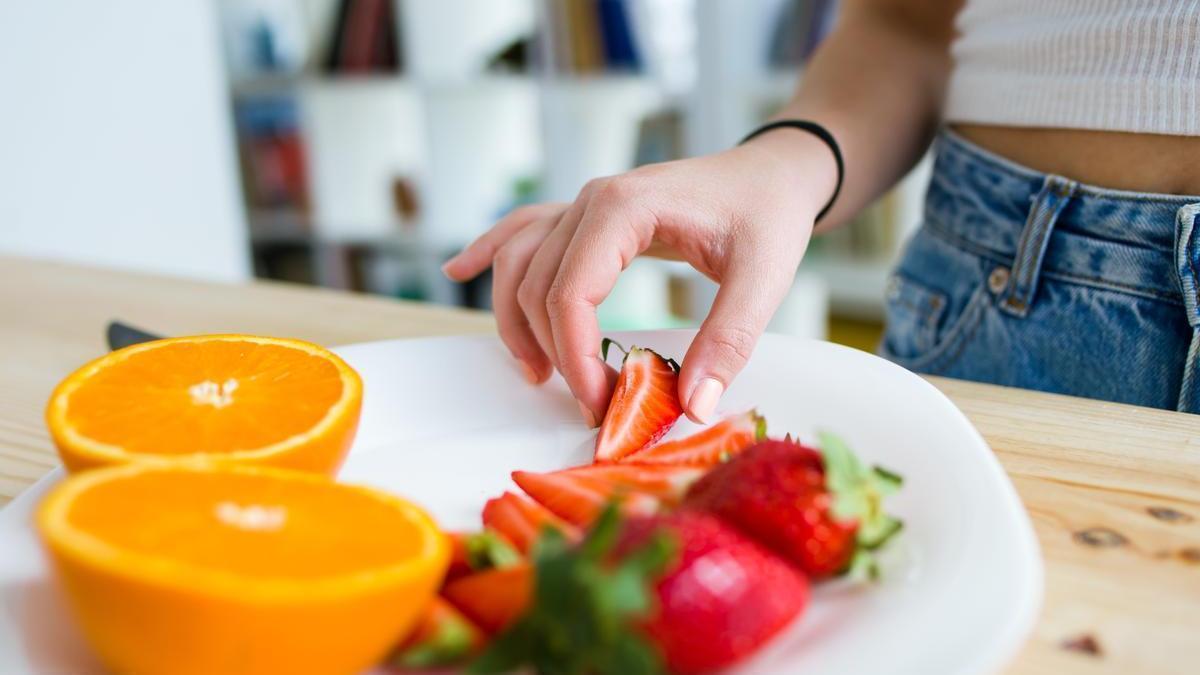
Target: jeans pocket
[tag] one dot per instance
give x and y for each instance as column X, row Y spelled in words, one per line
column 946, row 343
column 913, row 313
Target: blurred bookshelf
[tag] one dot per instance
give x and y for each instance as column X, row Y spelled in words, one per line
column 377, row 137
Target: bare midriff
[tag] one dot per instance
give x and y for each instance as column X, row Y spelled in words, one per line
column 1108, row 159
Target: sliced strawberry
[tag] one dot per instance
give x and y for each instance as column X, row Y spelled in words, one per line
column 644, row 405
column 578, row 494
column 477, row 551
column 521, row 520
column 494, row 598
column 459, row 565
column 444, row 637
column 709, row 447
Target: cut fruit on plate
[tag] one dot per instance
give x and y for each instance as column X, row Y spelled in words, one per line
column 209, row 398
column 579, row 494
column 188, row 569
column 443, row 637
column 493, row 598
column 644, row 406
column 521, row 520
column 709, row 447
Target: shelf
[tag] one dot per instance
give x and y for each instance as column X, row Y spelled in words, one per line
column 279, row 227
column 276, row 231
column 276, row 84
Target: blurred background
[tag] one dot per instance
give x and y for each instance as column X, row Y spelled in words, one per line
column 357, row 144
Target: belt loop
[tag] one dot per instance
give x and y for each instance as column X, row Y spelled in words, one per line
column 1049, row 202
column 1187, row 260
column 1187, row 264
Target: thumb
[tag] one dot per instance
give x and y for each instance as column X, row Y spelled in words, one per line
column 739, row 315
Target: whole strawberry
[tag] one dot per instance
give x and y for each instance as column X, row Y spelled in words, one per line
column 822, row 510
column 722, row 598
column 681, row 593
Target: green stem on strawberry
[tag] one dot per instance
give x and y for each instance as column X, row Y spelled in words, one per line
column 451, row 644
column 485, row 551
column 605, row 343
column 585, row 607
column 858, row 493
column 608, row 342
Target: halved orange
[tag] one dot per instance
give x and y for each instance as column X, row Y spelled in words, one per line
column 209, row 398
column 192, row 569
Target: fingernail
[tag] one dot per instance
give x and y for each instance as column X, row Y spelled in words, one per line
column 704, row 399
column 446, row 265
column 588, row 417
column 530, row 374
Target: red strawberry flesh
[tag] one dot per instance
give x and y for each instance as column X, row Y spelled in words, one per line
column 579, row 494
column 708, row 447
column 494, row 598
column 644, row 405
column 521, row 520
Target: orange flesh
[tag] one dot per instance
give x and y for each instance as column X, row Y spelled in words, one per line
column 178, row 399
column 250, row 525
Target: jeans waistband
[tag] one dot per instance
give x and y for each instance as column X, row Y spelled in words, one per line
column 1114, row 238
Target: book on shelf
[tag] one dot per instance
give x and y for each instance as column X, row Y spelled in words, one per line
column 365, row 38
column 273, row 156
column 589, row 36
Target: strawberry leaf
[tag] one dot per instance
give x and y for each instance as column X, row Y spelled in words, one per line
column 586, row 606
column 760, row 426
column 452, row 642
column 858, row 493
column 485, row 550
column 608, row 342
column 876, row 532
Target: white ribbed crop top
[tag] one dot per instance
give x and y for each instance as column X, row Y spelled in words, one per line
column 1116, row 65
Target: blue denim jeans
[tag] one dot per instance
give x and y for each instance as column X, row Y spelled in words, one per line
column 1032, row 280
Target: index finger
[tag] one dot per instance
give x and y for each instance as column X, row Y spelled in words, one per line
column 602, row 247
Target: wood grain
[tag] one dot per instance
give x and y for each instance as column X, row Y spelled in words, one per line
column 1113, row 490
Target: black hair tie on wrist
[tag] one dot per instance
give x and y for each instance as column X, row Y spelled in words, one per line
column 821, row 133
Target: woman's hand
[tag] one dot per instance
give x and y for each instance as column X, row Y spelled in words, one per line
column 742, row 217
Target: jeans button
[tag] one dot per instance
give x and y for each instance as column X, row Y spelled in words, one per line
column 998, row 280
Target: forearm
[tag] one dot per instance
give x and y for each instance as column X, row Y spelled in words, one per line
column 877, row 84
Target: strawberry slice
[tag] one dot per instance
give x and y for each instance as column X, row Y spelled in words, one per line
column 644, row 404
column 521, row 520
column 709, row 447
column 494, row 598
column 475, row 551
column 579, row 494
column 443, row 637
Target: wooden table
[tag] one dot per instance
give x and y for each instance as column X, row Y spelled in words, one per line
column 1113, row 490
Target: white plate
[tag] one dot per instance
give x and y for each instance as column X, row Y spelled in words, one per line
column 446, row 419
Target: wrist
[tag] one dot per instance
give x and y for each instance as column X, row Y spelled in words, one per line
column 804, row 162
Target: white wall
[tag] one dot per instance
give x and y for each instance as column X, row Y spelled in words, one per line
column 115, row 137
